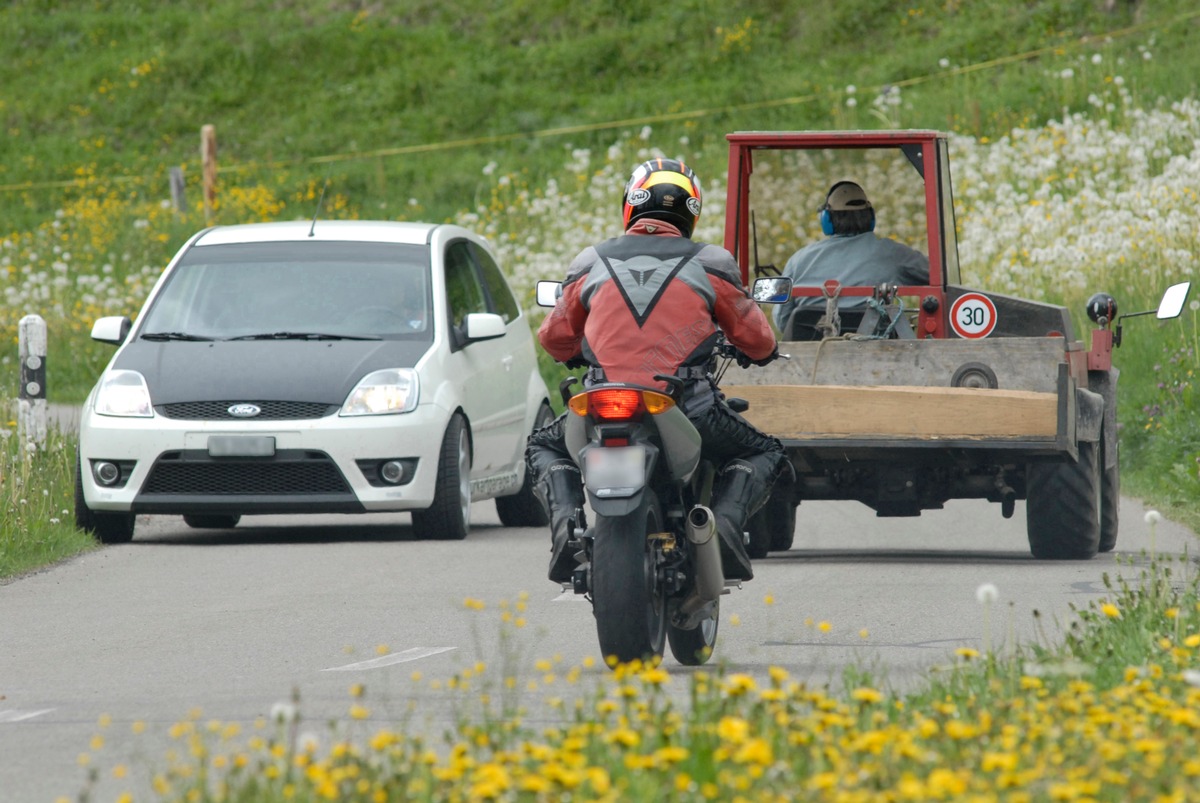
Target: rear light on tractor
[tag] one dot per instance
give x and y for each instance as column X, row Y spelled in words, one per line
column 619, row 404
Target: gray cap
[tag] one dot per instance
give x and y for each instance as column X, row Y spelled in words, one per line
column 846, row 196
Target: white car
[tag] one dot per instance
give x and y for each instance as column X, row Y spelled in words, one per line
column 316, row 367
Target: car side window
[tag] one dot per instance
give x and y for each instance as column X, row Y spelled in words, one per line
column 464, row 291
column 498, row 290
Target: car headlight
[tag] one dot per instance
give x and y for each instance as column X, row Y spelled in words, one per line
column 124, row 393
column 394, row 390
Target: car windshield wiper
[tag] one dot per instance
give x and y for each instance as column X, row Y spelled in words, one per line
column 174, row 336
column 303, row 336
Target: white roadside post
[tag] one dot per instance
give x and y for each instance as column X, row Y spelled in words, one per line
column 31, row 404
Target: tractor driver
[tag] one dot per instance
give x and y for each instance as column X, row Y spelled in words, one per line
column 852, row 254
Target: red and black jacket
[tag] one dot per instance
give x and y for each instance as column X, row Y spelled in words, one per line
column 650, row 302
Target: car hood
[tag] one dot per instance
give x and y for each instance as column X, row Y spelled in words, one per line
column 277, row 370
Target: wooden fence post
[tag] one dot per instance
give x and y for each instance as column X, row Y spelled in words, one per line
column 31, row 403
column 208, row 160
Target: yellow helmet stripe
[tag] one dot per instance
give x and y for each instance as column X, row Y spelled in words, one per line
column 670, row 177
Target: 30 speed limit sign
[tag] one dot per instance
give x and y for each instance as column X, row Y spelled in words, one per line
column 973, row 315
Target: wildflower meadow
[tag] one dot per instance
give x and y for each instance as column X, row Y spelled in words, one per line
column 1101, row 198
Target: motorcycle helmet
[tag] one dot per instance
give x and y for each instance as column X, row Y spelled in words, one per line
column 663, row 189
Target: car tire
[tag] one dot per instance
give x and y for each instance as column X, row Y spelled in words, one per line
column 449, row 517
column 107, row 528
column 1062, row 508
column 212, row 522
column 524, row 509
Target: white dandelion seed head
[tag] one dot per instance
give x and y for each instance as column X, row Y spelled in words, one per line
column 1153, row 517
column 986, row 593
column 283, row 713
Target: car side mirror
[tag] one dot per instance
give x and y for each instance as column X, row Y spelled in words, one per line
column 111, row 329
column 548, row 293
column 483, row 326
column 772, row 290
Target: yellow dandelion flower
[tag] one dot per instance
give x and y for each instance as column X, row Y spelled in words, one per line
column 733, row 729
column 865, row 694
column 824, row 627
column 1110, row 610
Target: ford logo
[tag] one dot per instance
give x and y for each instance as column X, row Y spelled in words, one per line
column 244, row 410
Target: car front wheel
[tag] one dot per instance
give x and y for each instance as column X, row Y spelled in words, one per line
column 449, row 517
column 108, row 528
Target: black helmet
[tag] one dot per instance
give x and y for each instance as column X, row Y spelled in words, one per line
column 663, row 189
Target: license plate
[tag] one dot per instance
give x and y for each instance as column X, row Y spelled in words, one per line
column 615, row 471
column 241, row 445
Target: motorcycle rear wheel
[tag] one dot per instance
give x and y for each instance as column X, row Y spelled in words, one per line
column 694, row 647
column 627, row 600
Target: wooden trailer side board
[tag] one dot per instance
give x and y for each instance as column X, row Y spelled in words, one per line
column 797, row 412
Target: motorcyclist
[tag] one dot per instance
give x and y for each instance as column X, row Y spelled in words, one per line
column 851, row 253
column 650, row 302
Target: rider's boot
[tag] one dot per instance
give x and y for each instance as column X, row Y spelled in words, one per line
column 561, row 491
column 737, row 486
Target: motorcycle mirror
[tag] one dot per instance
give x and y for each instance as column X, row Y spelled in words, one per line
column 548, row 293
column 772, row 290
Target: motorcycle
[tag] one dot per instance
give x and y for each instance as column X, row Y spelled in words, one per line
column 651, row 562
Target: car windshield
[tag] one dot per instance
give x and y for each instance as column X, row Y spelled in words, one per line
column 295, row 290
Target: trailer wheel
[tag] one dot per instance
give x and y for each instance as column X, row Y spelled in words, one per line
column 1063, row 507
column 773, row 527
column 1110, row 497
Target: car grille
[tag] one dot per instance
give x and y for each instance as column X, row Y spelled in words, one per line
column 271, row 410
column 288, row 473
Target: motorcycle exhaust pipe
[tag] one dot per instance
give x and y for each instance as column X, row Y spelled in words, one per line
column 710, row 578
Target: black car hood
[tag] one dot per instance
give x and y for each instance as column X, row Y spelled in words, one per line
column 261, row 370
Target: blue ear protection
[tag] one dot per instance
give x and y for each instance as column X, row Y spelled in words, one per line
column 826, row 221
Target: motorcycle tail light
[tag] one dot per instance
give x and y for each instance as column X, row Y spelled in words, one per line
column 619, row 404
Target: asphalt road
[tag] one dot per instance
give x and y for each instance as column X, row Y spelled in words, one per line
column 225, row 625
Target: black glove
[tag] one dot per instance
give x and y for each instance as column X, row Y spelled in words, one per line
column 769, row 358
column 746, row 362
column 577, row 362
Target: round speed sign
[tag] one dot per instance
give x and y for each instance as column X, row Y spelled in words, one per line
column 973, row 315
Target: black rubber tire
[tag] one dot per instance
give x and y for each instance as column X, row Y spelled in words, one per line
column 773, row 527
column 212, row 522
column 1062, row 509
column 630, row 611
column 1110, row 498
column 524, row 509
column 694, row 647
column 783, row 536
column 107, row 528
column 449, row 517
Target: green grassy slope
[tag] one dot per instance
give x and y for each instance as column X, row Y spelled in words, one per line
column 312, row 90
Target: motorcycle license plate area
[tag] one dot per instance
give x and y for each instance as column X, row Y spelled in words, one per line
column 615, row 471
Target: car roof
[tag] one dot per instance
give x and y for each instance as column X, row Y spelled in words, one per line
column 383, row 231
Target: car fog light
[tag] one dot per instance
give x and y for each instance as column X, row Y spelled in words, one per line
column 106, row 473
column 392, row 471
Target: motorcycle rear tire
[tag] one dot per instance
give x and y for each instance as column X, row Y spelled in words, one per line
column 694, row 647
column 627, row 600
